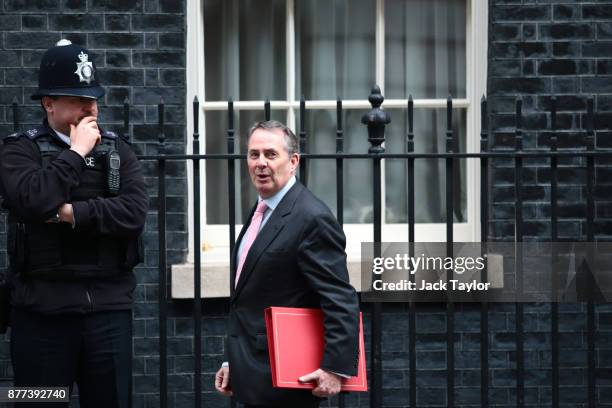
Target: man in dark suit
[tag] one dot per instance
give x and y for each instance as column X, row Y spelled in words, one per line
column 291, row 253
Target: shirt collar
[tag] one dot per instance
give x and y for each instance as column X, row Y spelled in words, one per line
column 273, row 201
column 65, row 138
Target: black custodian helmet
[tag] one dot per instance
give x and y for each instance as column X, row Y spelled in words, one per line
column 66, row 70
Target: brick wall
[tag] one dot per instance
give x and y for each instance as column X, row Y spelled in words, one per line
column 139, row 48
column 538, row 49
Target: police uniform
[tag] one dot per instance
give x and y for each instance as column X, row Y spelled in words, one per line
column 72, row 285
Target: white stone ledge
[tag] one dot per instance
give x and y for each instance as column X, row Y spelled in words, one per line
column 215, row 279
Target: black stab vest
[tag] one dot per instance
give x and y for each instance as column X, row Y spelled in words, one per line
column 57, row 250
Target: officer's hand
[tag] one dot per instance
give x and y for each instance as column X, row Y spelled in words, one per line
column 328, row 384
column 65, row 213
column 84, row 136
column 222, row 379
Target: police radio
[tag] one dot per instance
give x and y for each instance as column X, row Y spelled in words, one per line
column 113, row 181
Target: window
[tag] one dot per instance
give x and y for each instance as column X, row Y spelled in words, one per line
column 251, row 50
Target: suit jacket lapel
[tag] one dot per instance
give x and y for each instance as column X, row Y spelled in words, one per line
column 265, row 237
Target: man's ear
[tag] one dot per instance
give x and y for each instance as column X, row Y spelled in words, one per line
column 47, row 104
column 295, row 160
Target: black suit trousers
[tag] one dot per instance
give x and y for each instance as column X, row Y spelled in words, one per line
column 93, row 350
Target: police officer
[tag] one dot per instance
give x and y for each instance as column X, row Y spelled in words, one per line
column 77, row 205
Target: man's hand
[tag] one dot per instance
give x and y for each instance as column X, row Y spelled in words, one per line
column 222, row 379
column 328, row 383
column 84, row 136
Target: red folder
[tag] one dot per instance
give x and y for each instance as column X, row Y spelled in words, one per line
column 295, row 343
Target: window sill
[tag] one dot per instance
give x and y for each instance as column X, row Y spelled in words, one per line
column 215, row 278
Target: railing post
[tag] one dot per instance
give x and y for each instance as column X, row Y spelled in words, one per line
column 303, row 167
column 376, row 119
column 484, row 230
column 339, row 162
column 518, row 237
column 15, row 115
column 554, row 307
column 231, row 191
column 126, row 119
column 590, row 236
column 451, row 147
column 231, row 177
column 411, row 222
column 161, row 229
column 197, row 267
column 340, row 190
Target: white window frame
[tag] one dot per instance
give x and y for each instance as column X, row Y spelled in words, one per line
column 216, row 237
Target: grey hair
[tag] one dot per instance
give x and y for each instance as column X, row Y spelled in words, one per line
column 291, row 141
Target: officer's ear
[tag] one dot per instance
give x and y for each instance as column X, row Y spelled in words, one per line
column 46, row 103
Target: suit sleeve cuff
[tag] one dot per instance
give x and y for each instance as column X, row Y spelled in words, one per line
column 337, row 373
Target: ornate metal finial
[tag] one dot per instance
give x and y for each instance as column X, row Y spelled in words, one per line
column 376, row 119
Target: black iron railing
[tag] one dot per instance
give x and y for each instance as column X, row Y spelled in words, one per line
column 376, row 119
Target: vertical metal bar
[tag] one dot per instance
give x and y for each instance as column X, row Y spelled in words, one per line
column 340, row 190
column 231, row 188
column 267, row 109
column 554, row 236
column 484, row 232
column 15, row 115
column 231, row 177
column 303, row 168
column 411, row 221
column 376, row 120
column 197, row 267
column 590, row 145
column 126, row 119
column 518, row 233
column 339, row 163
column 376, row 393
column 161, row 230
column 450, row 306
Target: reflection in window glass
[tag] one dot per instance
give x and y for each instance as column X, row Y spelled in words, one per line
column 216, row 170
column 425, row 48
column 244, row 49
column 335, row 53
column 429, row 179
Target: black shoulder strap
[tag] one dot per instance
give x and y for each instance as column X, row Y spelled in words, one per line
column 109, row 134
column 109, row 142
column 11, row 138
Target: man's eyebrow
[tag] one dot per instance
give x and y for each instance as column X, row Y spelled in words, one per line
column 272, row 150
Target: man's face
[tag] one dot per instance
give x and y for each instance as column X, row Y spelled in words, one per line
column 66, row 110
column 270, row 166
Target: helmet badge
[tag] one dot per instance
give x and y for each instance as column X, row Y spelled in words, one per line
column 84, row 69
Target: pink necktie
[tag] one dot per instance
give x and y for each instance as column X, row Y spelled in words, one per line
column 250, row 236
